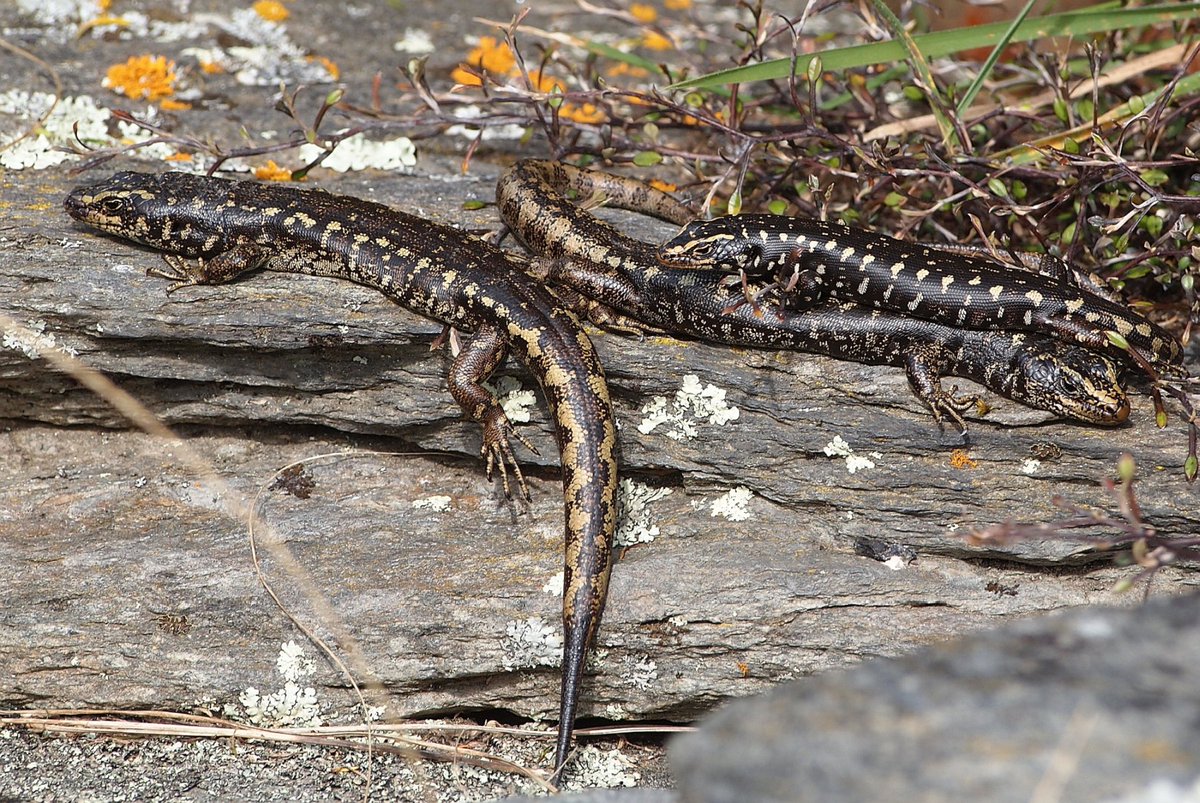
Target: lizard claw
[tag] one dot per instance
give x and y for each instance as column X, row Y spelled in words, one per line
column 178, row 272
column 497, row 449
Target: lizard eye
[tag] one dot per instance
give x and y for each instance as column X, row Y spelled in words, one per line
column 112, row 204
column 1071, row 385
column 702, row 250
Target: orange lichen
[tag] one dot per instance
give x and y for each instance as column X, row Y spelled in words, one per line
column 491, row 56
column 677, row 5
column 148, row 77
column 180, row 156
column 172, row 105
column 330, row 66
column 643, row 12
column 624, row 68
column 656, row 41
column 272, row 172
column 960, row 460
column 271, row 10
column 210, row 67
column 665, row 186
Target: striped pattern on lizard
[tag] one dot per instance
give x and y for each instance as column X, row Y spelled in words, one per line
column 435, row 271
column 617, row 273
column 815, row 260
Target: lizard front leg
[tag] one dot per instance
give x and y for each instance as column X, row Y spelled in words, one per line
column 923, row 367
column 224, row 267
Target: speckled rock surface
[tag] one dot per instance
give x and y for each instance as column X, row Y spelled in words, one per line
column 1092, row 704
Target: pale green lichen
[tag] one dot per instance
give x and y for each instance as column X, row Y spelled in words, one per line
column 291, row 706
column 693, row 403
column 515, row 400
column 436, row 504
column 635, row 523
column 733, row 505
column 530, row 642
column 854, row 462
column 592, row 767
column 34, row 341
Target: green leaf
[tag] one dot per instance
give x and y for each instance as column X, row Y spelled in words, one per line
column 1155, row 177
column 1116, row 339
column 1137, row 271
column 913, row 93
column 1060, row 110
column 969, row 96
column 1152, row 225
column 647, row 158
column 893, row 199
column 777, row 207
column 997, row 187
column 735, row 203
column 472, row 205
column 1019, row 190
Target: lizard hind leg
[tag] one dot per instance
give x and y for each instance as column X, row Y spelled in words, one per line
column 479, row 357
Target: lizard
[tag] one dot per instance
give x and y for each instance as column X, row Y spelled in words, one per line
column 816, row 260
column 214, row 229
column 614, row 272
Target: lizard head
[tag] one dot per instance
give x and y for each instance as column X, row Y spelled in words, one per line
column 710, row 243
column 167, row 211
column 1073, row 382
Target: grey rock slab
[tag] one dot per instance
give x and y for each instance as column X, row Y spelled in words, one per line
column 607, row 796
column 109, row 535
column 1086, row 705
column 108, row 532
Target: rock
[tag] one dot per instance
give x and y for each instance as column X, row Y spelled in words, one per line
column 1091, row 704
column 112, row 533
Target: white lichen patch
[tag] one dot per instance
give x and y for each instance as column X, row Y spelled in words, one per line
column 415, row 41
column 635, row 522
column 34, row 341
column 639, row 672
column 693, row 404
column 516, row 400
column 554, row 585
column 854, row 462
column 531, row 642
column 270, row 57
column 359, row 153
column 510, row 131
column 1030, row 465
column 292, row 706
column 733, row 505
column 592, row 768
column 55, row 135
column 57, row 13
column 292, row 663
column 436, row 504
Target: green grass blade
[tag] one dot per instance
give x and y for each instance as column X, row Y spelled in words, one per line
column 969, row 96
column 921, row 67
column 1095, row 19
